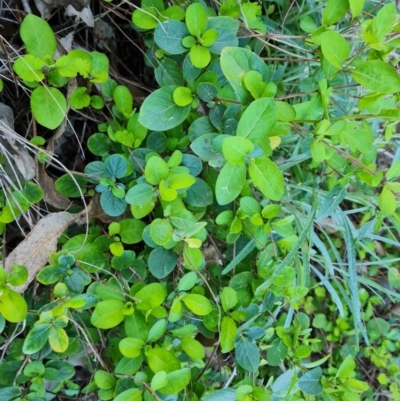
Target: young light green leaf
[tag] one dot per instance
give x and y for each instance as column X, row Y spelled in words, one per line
column 267, row 178
column 198, row 304
column 346, row 368
column 176, row 381
column 38, row 36
column 228, row 334
column 108, row 314
column 13, row 306
column 131, row 347
column 48, row 106
column 160, row 359
column 29, row 68
column 356, row 7
column 229, row 298
column 387, row 201
column 199, row 56
column 104, row 380
column 334, row 48
column 156, row 170
column 394, row 171
column 235, row 148
column 196, row 19
column 258, row 120
column 58, row 339
column 150, row 296
column 334, row 11
column 377, row 76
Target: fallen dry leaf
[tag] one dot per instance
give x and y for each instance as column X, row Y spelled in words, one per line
column 33, row 252
column 51, row 195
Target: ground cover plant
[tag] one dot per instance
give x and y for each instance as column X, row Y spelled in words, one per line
column 199, row 201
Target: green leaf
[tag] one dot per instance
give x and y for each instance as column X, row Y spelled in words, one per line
column 112, row 205
column 277, row 352
column 196, row 19
column 150, row 296
column 235, row 63
column 258, row 120
column 18, row 275
column 176, row 381
column 136, row 326
column 168, row 73
column 159, row 111
column 247, row 354
column 100, row 66
column 108, row 314
column 104, row 380
column 58, row 339
column 131, row 347
column 157, row 330
column 334, row 11
column 240, row 256
column 199, row 56
column 159, row 359
column 71, row 186
column 193, row 348
column 382, row 24
column 161, row 231
column 169, row 35
column 13, row 306
column 310, row 382
column 235, row 148
column 230, row 182
column 161, row 262
column 377, row 76
column 9, row 393
column 38, row 37
column 36, row 339
column 346, row 368
column 267, row 178
column 123, row 99
column 229, row 298
column 187, row 282
column 29, row 68
column 159, row 380
column 115, row 166
column 132, row 394
column 49, row 106
column 156, row 170
column 199, row 194
column 356, row 7
column 228, row 334
column 79, row 98
column 394, row 171
column 131, row 231
column 387, row 201
column 285, row 277
column 145, row 18
column 182, row 96
column 140, row 194
column 334, row 48
column 207, row 91
column 198, row 304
